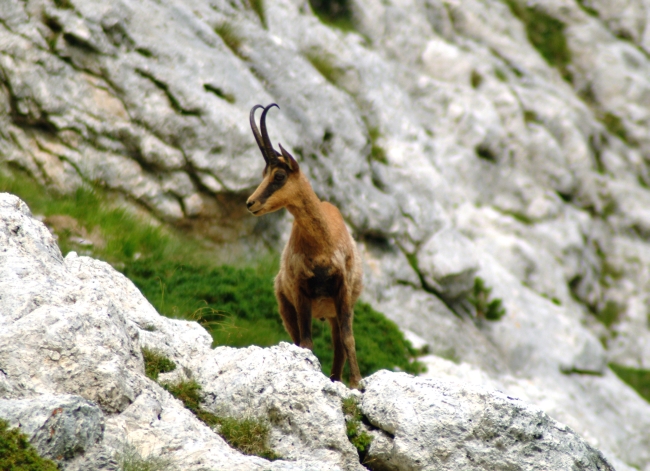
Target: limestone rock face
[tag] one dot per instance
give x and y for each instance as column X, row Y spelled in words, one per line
column 60, row 427
column 456, row 141
column 87, row 425
column 422, row 424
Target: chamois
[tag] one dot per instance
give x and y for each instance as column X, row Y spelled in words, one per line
column 320, row 272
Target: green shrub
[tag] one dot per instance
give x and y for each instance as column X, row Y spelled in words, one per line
column 356, row 434
column 155, row 363
column 486, row 308
column 248, row 435
column 17, row 454
column 638, row 379
column 238, row 307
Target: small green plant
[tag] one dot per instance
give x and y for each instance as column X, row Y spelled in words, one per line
column 615, row 125
column 17, row 454
column 638, row 379
column 231, row 37
column 129, row 459
column 248, row 435
column 610, row 313
column 336, row 13
column 355, row 432
column 588, row 8
column 258, row 7
column 155, row 363
column 546, row 34
column 325, row 66
column 476, row 79
column 377, row 153
column 486, row 308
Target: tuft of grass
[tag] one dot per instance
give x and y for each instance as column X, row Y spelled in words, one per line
column 356, row 434
column 248, row 435
column 155, row 363
column 129, row 459
column 588, row 8
column 325, row 66
column 638, row 379
column 258, row 7
column 17, row 454
column 610, row 313
column 231, row 37
column 377, row 153
column 486, row 308
column 546, row 34
column 476, row 79
column 335, row 13
column 615, row 125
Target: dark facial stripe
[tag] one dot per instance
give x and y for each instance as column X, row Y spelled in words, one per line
column 271, row 188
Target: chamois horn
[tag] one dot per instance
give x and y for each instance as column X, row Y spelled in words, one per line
column 263, row 141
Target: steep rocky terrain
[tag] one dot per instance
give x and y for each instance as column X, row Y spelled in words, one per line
column 461, row 139
column 73, row 361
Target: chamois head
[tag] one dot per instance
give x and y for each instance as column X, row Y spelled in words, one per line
column 280, row 176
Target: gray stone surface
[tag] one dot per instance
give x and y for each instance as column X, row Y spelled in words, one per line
column 422, row 424
column 543, row 178
column 60, row 427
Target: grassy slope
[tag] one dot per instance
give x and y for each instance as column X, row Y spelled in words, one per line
column 182, row 280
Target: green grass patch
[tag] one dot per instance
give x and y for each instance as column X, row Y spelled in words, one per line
column 610, row 313
column 248, row 435
column 324, row 66
column 355, row 432
column 238, row 307
column 109, row 232
column 129, row 459
column 614, row 125
column 486, row 307
column 336, row 13
column 17, row 454
column 155, row 363
column 546, row 34
column 231, row 37
column 179, row 276
column 377, row 153
column 258, row 7
column 638, row 379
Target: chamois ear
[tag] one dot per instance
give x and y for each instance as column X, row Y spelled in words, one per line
column 291, row 162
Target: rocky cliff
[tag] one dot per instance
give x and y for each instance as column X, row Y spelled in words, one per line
column 461, row 139
column 72, row 377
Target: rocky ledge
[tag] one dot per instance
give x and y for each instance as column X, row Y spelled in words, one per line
column 72, row 377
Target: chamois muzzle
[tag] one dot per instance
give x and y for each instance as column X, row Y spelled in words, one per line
column 263, row 142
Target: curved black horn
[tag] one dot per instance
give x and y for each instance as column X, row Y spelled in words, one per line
column 256, row 132
column 271, row 153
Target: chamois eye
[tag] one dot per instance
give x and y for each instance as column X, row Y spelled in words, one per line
column 280, row 176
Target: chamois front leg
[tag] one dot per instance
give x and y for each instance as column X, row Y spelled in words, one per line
column 345, row 315
column 289, row 317
column 303, row 309
column 339, row 350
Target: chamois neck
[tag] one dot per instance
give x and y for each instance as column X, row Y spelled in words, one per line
column 310, row 224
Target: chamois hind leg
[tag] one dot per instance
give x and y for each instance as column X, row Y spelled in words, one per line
column 289, row 317
column 339, row 350
column 303, row 309
column 345, row 314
